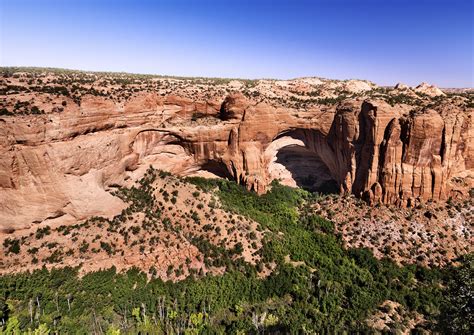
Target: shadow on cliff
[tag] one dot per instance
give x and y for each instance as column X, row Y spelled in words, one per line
column 217, row 168
column 307, row 169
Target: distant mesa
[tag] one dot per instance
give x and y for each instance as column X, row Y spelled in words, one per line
column 429, row 90
column 358, row 86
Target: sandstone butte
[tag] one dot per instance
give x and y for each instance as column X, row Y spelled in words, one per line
column 62, row 165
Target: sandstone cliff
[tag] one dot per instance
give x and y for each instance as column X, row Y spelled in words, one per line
column 60, row 164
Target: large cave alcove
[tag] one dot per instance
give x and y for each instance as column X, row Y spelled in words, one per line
column 300, row 158
column 215, row 169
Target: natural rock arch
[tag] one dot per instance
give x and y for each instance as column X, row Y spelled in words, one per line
column 302, row 158
column 164, row 150
column 167, row 151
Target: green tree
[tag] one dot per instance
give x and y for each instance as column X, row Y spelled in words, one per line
column 13, row 326
column 457, row 312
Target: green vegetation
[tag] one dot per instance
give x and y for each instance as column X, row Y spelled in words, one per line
column 401, row 98
column 312, row 284
column 458, row 307
column 5, row 112
column 12, row 246
column 42, row 232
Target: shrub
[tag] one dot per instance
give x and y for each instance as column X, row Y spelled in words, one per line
column 12, row 246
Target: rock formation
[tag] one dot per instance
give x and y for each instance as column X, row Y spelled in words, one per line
column 60, row 166
column 402, row 87
column 429, row 90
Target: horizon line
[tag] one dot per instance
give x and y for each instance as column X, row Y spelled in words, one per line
column 50, row 68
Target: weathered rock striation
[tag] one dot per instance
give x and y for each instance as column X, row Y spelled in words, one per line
column 60, row 167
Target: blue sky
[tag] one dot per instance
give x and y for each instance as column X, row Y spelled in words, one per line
column 385, row 41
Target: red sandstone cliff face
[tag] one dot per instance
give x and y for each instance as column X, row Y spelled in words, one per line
column 369, row 148
column 402, row 159
column 59, row 167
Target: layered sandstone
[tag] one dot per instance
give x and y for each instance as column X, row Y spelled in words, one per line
column 61, row 166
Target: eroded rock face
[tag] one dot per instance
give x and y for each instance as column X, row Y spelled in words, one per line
column 429, row 90
column 60, row 167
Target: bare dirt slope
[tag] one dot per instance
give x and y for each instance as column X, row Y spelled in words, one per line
column 169, row 229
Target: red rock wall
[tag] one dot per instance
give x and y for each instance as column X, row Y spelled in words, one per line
column 60, row 166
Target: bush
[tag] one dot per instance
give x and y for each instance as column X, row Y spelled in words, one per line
column 12, row 246
column 5, row 112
